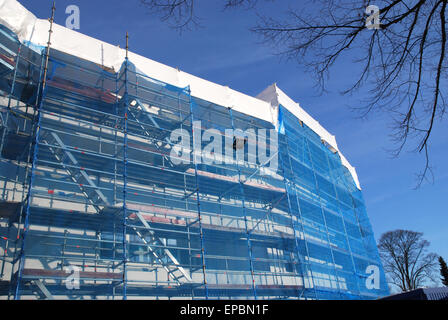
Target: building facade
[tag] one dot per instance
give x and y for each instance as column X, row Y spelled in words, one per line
column 123, row 178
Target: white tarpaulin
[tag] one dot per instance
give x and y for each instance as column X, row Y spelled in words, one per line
column 275, row 97
column 30, row 29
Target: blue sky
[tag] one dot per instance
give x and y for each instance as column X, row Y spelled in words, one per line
column 226, row 52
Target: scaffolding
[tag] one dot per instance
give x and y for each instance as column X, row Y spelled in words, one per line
column 94, row 205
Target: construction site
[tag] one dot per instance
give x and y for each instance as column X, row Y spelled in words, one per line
column 93, row 206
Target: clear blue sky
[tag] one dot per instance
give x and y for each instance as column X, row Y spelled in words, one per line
column 226, row 52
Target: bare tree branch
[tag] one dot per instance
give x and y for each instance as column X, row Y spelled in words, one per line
column 181, row 13
column 396, row 62
column 402, row 64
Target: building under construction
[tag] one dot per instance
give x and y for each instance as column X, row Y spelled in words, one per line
column 94, row 206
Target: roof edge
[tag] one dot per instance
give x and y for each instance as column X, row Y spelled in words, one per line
column 275, row 96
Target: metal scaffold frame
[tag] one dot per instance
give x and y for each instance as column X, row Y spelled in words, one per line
column 94, row 204
column 33, row 162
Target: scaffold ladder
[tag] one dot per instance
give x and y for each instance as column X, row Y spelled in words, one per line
column 69, row 162
column 135, row 117
column 157, row 247
column 93, row 193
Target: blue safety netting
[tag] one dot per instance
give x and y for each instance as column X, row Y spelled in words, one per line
column 95, row 205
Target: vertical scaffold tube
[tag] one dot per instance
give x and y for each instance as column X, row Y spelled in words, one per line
column 27, row 174
column 125, row 168
column 201, row 233
column 249, row 243
column 34, row 160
